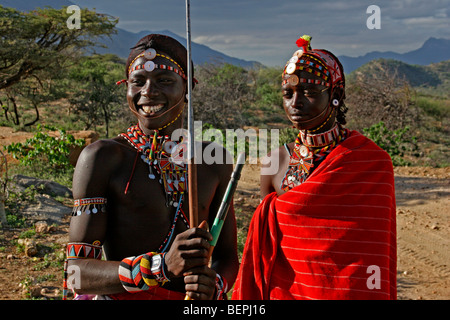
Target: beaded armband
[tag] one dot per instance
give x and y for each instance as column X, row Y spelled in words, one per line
column 79, row 250
column 88, row 206
column 139, row 273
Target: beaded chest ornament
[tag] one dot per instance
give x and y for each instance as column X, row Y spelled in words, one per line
column 161, row 155
column 309, row 151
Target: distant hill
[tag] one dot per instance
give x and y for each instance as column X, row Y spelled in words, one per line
column 432, row 51
column 435, row 75
column 121, row 42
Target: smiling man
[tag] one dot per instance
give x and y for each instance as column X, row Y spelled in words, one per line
column 326, row 226
column 130, row 198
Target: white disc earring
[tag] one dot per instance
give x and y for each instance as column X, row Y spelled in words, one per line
column 335, row 102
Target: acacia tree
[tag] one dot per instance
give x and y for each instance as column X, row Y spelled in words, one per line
column 379, row 94
column 97, row 98
column 38, row 46
column 222, row 96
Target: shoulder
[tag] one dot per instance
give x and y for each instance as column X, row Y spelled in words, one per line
column 270, row 164
column 95, row 165
column 215, row 157
column 104, row 152
column 359, row 144
column 360, row 153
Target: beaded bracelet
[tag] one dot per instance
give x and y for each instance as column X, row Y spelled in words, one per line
column 221, row 287
column 139, row 273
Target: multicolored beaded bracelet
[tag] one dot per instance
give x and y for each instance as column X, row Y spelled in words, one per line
column 139, row 273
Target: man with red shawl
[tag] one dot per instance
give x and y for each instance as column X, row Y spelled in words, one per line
column 326, row 227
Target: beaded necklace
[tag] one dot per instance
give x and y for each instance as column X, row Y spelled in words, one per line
column 309, row 151
column 157, row 154
column 171, row 171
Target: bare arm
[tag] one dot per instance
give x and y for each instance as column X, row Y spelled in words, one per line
column 90, row 180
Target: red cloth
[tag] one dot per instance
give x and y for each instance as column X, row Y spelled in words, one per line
column 154, row 293
column 332, row 237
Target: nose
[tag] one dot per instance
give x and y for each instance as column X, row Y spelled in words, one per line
column 149, row 89
column 297, row 99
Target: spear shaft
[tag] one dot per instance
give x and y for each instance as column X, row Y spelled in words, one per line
column 192, row 168
column 221, row 215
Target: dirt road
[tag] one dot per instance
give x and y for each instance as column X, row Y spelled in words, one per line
column 423, row 227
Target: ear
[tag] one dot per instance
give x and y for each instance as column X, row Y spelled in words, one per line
column 338, row 93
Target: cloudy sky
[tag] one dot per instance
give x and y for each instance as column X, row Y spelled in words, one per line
column 266, row 30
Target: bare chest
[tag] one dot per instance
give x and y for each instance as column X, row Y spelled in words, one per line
column 142, row 217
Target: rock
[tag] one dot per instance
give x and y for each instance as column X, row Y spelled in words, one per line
column 35, row 291
column 46, row 209
column 48, row 187
column 50, row 292
column 30, row 248
column 89, row 137
column 41, row 227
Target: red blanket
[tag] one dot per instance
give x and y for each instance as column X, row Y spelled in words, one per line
column 154, row 293
column 332, row 237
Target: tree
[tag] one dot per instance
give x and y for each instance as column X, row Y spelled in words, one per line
column 379, row 94
column 222, row 95
column 41, row 41
column 97, row 98
column 37, row 47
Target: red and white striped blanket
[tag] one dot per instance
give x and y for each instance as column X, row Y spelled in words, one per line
column 332, row 237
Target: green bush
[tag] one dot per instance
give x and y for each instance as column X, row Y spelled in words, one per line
column 395, row 143
column 44, row 153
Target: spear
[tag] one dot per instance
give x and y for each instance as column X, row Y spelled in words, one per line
column 226, row 202
column 225, row 205
column 192, row 169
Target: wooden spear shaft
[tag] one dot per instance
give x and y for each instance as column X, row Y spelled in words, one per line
column 192, row 168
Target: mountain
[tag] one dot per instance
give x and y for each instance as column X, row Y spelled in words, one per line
column 435, row 75
column 432, row 51
column 121, row 42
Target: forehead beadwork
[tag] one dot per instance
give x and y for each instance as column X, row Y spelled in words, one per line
column 150, row 54
column 149, row 66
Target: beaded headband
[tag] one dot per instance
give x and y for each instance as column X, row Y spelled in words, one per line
column 294, row 80
column 151, row 54
column 149, row 65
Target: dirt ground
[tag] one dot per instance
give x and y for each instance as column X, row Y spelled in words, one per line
column 423, row 223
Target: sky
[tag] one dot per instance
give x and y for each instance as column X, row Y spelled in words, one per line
column 266, row 30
